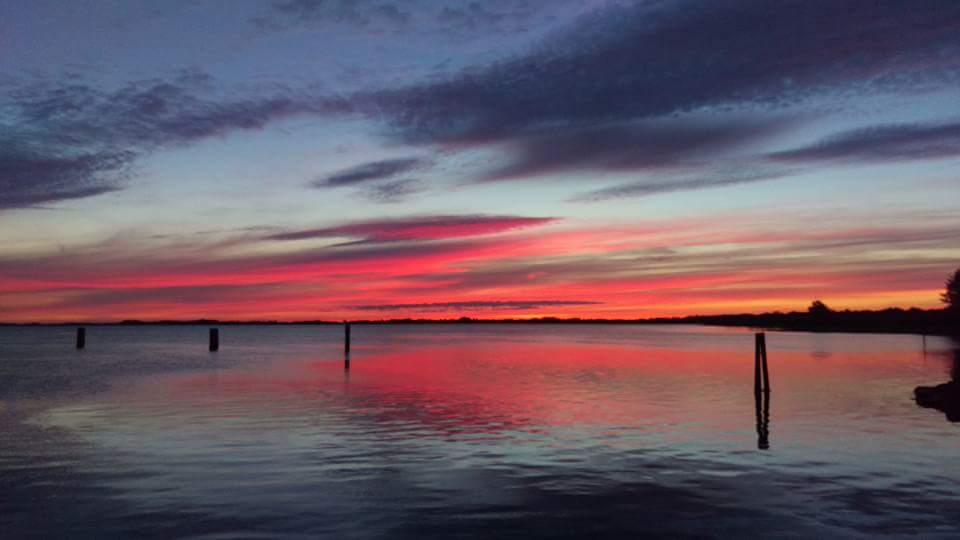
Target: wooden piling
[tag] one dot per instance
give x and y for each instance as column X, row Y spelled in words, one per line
column 346, row 346
column 761, row 373
column 81, row 337
column 757, row 386
column 763, row 356
column 214, row 339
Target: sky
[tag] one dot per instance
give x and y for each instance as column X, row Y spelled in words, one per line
column 355, row 159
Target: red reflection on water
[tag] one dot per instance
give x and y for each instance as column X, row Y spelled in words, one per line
column 491, row 387
column 485, row 386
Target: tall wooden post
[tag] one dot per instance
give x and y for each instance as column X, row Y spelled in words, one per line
column 81, row 337
column 214, row 339
column 761, row 373
column 757, row 386
column 763, row 356
column 346, row 346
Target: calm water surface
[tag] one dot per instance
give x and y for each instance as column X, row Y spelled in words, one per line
column 472, row 431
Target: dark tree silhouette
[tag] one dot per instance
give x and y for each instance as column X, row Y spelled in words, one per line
column 818, row 308
column 951, row 297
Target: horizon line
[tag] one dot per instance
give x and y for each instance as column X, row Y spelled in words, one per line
column 455, row 319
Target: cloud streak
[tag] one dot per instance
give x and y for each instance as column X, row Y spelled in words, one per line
column 364, row 14
column 30, row 178
column 393, row 191
column 75, row 140
column 373, row 171
column 418, row 228
column 674, row 183
column 897, row 142
column 629, row 147
column 505, row 305
column 465, row 20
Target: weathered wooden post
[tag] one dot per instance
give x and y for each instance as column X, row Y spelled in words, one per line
column 346, row 345
column 757, row 387
column 214, row 339
column 763, row 355
column 761, row 373
column 81, row 337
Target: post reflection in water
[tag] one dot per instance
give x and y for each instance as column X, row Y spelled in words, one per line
column 762, row 400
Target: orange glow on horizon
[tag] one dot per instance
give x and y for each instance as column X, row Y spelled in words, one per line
column 618, row 272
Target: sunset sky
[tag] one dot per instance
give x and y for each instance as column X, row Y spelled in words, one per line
column 354, row 159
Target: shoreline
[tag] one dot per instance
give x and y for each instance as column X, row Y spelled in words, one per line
column 889, row 321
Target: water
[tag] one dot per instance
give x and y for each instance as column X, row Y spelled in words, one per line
column 471, row 431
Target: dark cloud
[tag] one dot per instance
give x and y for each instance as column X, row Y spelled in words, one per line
column 362, row 13
column 471, row 15
column 478, row 304
column 900, row 142
column 75, row 140
column 627, row 147
column 493, row 17
column 32, row 179
column 146, row 113
column 466, row 20
column 368, row 172
column 610, row 92
column 418, row 228
column 659, row 58
column 576, row 101
column 672, row 183
column 394, row 191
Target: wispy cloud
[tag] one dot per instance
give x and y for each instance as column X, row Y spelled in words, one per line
column 364, row 14
column 448, row 17
column 373, row 171
column 393, row 191
column 668, row 183
column 31, row 178
column 418, row 228
column 898, row 142
column 72, row 140
column 629, row 147
column 507, row 305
